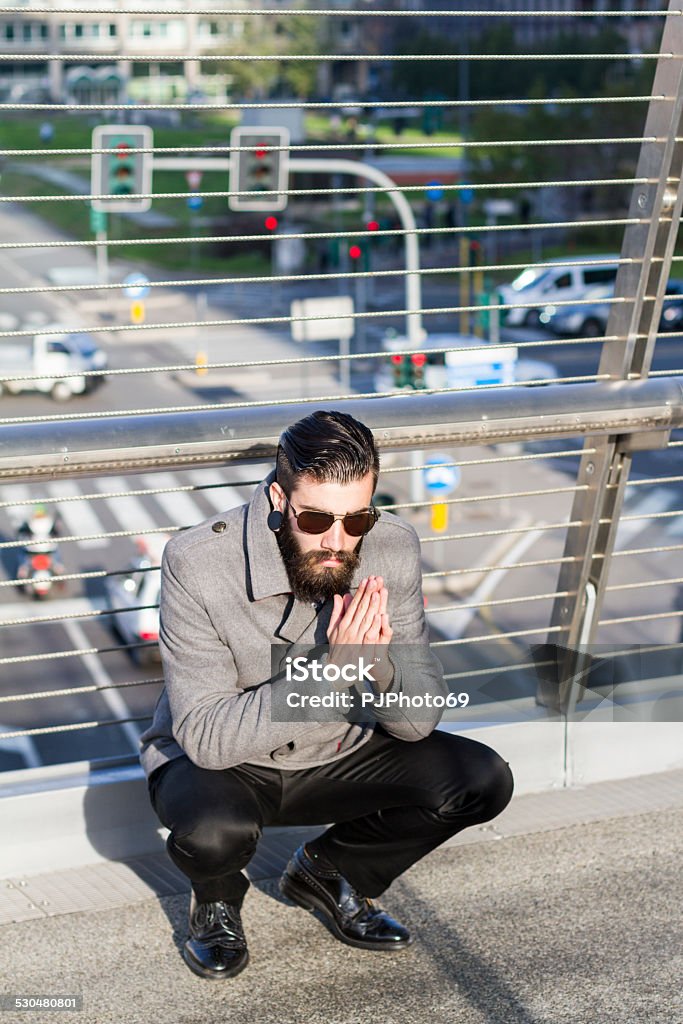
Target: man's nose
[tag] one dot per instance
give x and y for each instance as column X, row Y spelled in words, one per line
column 333, row 539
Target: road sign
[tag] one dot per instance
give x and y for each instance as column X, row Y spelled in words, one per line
column 339, row 326
column 434, row 191
column 137, row 311
column 466, row 195
column 195, row 202
column 440, row 479
column 494, row 364
column 193, row 179
column 136, row 286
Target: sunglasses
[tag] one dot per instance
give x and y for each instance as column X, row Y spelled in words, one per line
column 356, row 524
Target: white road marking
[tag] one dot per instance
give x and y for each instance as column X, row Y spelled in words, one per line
column 454, row 623
column 657, row 500
column 101, row 677
column 129, row 510
column 226, row 497
column 79, row 517
column 179, row 506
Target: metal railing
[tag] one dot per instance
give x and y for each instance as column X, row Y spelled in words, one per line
column 531, row 549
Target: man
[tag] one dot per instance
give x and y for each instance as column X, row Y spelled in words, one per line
column 309, row 565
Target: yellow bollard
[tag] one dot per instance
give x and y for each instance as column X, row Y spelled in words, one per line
column 200, row 362
column 439, row 521
column 137, row 312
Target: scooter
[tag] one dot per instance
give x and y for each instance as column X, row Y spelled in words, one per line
column 37, row 571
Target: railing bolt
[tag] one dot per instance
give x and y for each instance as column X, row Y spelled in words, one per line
column 590, row 468
column 642, row 201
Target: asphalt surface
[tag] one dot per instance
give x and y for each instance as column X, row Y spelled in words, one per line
column 580, row 924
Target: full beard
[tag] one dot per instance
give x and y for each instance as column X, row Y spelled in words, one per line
column 308, row 578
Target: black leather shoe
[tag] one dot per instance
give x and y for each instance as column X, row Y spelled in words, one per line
column 351, row 917
column 216, row 947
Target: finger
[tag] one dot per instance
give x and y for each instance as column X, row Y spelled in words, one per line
column 358, row 610
column 384, row 599
column 386, row 632
column 373, row 633
column 337, row 611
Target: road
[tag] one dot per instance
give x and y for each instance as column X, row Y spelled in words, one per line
column 456, row 606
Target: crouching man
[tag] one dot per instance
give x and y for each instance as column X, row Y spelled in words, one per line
column 309, row 561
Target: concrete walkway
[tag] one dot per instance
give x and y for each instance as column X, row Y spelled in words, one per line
column 566, row 910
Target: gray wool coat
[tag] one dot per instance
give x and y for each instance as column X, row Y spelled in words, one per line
column 225, row 599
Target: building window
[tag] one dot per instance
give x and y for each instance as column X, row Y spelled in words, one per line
column 78, row 31
column 26, row 31
column 95, row 31
column 44, row 31
column 9, row 31
column 112, row 29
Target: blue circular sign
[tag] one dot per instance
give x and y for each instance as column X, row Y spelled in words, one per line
column 136, row 286
column 466, row 196
column 439, row 478
column 434, row 191
column 195, row 202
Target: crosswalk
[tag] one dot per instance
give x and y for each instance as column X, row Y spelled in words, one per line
column 114, row 508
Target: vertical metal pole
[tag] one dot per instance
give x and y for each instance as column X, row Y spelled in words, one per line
column 102, row 257
column 648, row 246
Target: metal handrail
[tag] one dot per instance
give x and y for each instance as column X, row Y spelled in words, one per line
column 35, row 451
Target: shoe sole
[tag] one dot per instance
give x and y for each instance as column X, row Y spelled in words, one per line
column 309, row 901
column 204, row 972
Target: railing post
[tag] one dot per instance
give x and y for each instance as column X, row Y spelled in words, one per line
column 603, row 473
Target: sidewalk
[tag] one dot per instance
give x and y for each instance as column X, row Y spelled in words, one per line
column 566, row 909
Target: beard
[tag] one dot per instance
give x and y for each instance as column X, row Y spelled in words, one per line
column 308, row 578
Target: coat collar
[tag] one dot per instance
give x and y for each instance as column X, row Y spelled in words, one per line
column 266, row 568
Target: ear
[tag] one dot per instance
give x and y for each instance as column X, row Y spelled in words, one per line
column 277, row 497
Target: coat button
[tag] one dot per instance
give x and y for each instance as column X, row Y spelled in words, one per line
column 218, row 527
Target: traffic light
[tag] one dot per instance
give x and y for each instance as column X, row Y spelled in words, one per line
column 409, row 370
column 121, row 173
column 258, row 164
column 418, row 361
column 270, row 223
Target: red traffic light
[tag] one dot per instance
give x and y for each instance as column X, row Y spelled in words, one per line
column 270, row 223
column 260, row 153
column 122, row 150
column 418, row 359
column 355, row 252
column 372, row 225
column 397, row 360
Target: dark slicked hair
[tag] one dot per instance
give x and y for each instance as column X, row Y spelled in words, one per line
column 328, row 447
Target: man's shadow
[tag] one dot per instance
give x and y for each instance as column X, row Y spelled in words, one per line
column 119, row 818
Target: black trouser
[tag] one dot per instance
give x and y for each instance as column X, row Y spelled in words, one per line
column 391, row 801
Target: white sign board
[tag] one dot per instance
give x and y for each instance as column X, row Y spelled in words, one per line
column 492, row 365
column 338, row 325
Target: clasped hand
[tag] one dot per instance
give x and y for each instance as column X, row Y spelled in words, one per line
column 362, row 620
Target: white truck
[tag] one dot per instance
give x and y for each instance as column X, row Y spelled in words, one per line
column 56, row 361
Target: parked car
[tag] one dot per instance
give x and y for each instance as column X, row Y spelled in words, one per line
column 138, row 591
column 57, row 360
column 538, row 287
column 497, row 364
column 589, row 320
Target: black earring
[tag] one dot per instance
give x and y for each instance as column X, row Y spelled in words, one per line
column 275, row 520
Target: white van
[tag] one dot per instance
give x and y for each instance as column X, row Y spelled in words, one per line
column 538, row 286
